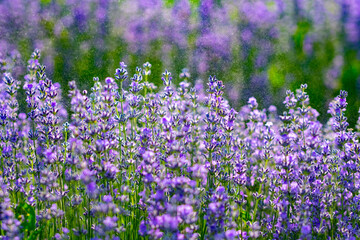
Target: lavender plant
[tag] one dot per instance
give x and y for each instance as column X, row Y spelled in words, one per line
column 174, row 163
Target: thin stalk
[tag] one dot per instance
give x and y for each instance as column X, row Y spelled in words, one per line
column 257, row 200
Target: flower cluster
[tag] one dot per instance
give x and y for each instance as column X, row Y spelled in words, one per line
column 174, row 163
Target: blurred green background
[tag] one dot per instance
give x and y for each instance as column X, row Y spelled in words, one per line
column 258, row 48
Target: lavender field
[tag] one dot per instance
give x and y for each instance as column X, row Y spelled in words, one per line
column 252, row 132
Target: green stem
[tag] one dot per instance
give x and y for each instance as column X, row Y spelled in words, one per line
column 146, row 80
column 259, row 191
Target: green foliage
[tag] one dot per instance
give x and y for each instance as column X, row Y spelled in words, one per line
column 350, row 82
column 26, row 214
column 293, row 67
column 303, row 27
column 195, row 2
column 276, row 76
column 45, row 2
